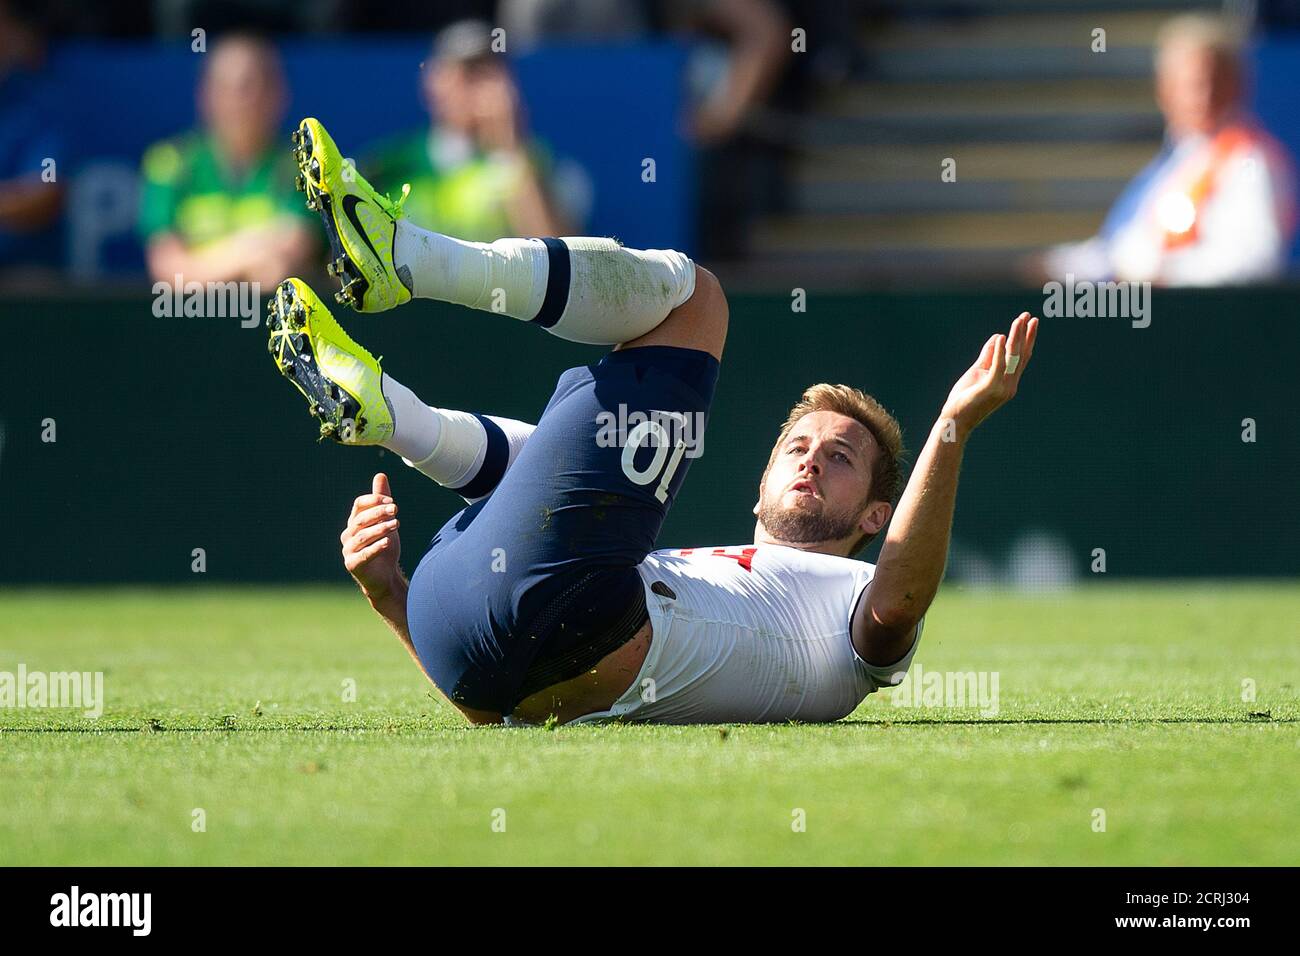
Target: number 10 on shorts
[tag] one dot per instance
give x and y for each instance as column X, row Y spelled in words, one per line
column 663, row 466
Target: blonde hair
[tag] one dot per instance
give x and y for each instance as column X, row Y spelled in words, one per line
column 887, row 472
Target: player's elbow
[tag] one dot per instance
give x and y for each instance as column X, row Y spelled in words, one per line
column 892, row 619
column 882, row 643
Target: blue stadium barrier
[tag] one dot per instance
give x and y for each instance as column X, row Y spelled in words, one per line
column 604, row 108
column 1276, row 69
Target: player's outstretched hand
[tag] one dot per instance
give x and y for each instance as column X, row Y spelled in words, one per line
column 992, row 381
column 371, row 547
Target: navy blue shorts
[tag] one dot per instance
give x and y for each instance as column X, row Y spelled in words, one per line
column 534, row 584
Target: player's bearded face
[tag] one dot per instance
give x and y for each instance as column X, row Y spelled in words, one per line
column 818, row 481
column 806, row 518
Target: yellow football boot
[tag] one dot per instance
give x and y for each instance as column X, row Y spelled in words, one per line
column 359, row 223
column 342, row 382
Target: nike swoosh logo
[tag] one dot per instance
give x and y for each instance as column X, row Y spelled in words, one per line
column 350, row 203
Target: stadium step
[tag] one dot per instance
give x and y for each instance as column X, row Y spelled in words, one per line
column 980, row 126
column 951, row 230
column 1045, row 134
column 993, row 97
column 1040, row 44
column 903, row 196
column 990, row 7
column 990, row 177
column 975, row 161
column 844, row 271
column 1054, row 62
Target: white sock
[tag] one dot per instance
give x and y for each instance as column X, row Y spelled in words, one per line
column 582, row 289
column 416, row 427
column 459, row 450
column 507, row 276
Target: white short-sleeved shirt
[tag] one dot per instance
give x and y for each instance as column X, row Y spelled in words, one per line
column 751, row 634
column 1243, row 226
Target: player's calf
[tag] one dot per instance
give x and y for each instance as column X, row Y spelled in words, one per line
column 357, row 403
column 583, row 289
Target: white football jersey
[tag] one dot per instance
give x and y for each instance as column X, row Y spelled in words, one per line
column 752, row 633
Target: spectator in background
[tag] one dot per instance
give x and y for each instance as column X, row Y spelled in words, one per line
column 731, row 77
column 734, row 72
column 740, row 51
column 218, row 204
column 33, row 161
column 747, row 43
column 475, row 173
column 1216, row 206
column 529, row 23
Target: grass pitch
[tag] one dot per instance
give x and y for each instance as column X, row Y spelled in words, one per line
column 1122, row 700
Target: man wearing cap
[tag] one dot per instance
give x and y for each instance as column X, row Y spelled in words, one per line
column 475, row 173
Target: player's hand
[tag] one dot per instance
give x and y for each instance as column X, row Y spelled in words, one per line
column 992, row 381
column 371, row 547
column 716, row 121
column 498, row 113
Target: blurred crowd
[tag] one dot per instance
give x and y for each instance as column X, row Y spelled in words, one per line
column 217, row 202
column 31, row 195
column 1217, row 204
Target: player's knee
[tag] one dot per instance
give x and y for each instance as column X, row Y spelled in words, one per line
column 708, row 313
column 714, row 300
column 698, row 323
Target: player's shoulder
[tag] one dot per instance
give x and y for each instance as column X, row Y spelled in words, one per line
column 812, row 558
column 814, row 571
column 705, row 552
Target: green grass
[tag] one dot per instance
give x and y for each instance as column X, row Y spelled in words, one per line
column 1123, row 698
